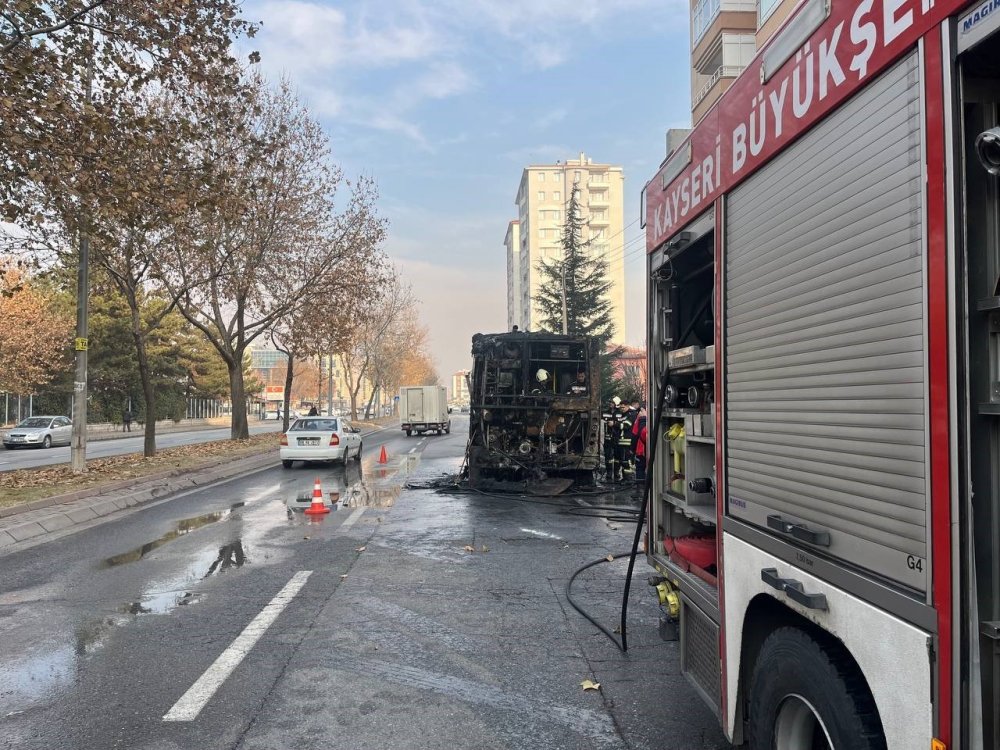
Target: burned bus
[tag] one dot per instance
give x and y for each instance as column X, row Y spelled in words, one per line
column 535, row 408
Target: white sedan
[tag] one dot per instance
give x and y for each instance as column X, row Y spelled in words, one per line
column 320, row 439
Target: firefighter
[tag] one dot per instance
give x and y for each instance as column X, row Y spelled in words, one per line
column 625, row 441
column 579, row 386
column 617, row 438
column 640, row 435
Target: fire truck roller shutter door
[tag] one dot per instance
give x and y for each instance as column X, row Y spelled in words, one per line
column 825, row 337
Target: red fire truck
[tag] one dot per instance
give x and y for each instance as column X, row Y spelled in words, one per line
column 824, row 338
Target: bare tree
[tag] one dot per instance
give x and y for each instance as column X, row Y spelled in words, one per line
column 402, row 358
column 98, row 142
column 324, row 318
column 272, row 232
column 374, row 325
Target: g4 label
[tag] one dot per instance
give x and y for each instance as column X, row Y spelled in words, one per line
column 915, row 563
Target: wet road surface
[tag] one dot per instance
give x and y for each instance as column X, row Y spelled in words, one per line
column 30, row 458
column 231, row 615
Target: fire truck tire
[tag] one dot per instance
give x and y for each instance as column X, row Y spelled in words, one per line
column 808, row 696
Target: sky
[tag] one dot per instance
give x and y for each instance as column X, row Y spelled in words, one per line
column 444, row 102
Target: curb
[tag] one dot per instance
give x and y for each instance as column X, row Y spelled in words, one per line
column 83, row 506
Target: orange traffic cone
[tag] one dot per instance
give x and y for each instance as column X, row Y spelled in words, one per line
column 382, row 457
column 318, row 507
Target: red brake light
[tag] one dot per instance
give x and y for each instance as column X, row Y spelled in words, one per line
column 334, row 440
column 284, row 439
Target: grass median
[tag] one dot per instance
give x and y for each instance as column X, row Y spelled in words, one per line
column 28, row 485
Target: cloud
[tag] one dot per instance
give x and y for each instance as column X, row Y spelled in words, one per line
column 439, row 81
column 306, row 37
column 327, row 51
column 515, row 18
column 340, row 55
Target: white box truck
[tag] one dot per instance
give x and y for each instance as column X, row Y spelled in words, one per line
column 423, row 408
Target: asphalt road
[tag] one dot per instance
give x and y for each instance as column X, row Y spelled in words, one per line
column 220, row 619
column 28, row 458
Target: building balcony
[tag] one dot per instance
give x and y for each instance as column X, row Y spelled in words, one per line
column 706, row 96
column 599, row 222
column 733, row 18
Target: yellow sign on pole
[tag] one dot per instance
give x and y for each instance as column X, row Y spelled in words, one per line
column 81, row 344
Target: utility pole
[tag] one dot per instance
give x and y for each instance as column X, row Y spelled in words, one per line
column 329, row 388
column 78, row 443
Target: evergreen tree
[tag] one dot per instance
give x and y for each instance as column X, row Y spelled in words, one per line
column 585, row 276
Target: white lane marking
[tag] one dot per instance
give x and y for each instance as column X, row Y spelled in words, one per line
column 412, row 450
column 191, row 703
column 581, row 502
column 352, row 519
column 262, row 494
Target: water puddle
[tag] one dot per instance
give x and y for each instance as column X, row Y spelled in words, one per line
column 183, row 527
column 348, row 487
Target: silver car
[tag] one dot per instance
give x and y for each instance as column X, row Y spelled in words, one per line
column 39, row 432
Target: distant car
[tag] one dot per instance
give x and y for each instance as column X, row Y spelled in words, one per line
column 274, row 414
column 40, row 432
column 320, row 439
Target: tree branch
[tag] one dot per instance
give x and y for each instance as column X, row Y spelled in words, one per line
column 20, row 36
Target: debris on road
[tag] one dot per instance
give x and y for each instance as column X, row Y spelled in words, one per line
column 590, row 685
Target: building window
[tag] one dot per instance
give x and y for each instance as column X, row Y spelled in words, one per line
column 556, row 196
column 764, row 9
column 737, row 51
column 541, row 195
column 704, row 13
column 541, row 176
column 541, row 233
column 576, row 175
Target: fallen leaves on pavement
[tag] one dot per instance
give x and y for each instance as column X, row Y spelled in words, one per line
column 25, row 485
column 590, row 685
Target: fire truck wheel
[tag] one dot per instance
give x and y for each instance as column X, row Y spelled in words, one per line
column 807, row 697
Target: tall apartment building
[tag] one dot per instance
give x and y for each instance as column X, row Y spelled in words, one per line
column 725, row 35
column 541, row 201
column 460, row 387
column 513, row 244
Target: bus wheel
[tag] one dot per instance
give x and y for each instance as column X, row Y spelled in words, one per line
column 807, row 697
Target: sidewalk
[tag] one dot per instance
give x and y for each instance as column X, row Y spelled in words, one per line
column 55, row 514
column 110, row 431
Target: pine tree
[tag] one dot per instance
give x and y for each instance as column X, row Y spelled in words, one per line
column 585, row 274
